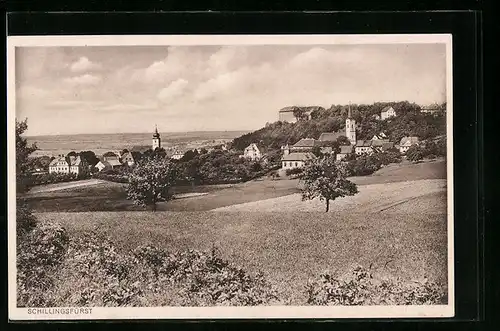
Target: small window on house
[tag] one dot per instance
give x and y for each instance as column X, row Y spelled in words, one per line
column 296, row 164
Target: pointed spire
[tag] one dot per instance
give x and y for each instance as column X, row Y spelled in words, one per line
column 349, row 115
column 156, row 128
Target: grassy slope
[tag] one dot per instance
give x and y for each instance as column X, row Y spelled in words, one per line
column 112, row 196
column 289, row 247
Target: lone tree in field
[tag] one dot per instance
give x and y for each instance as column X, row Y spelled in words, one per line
column 324, row 178
column 151, row 180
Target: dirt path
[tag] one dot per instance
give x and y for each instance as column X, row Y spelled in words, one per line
column 65, row 186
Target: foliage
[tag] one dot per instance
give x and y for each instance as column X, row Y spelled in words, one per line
column 89, row 158
column 364, row 165
column 25, row 221
column 151, row 180
column 361, row 287
column 414, row 153
column 39, row 255
column 294, row 171
column 23, row 150
column 113, row 175
column 55, row 177
column 221, row 167
column 324, row 178
column 95, row 273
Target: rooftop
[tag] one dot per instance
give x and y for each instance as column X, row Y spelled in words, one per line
column 298, row 157
column 305, row 142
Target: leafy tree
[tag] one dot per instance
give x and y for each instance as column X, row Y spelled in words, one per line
column 72, row 153
column 150, row 182
column 343, row 141
column 89, row 157
column 23, row 151
column 316, row 150
column 326, row 179
column 414, row 153
column 300, row 113
column 189, row 155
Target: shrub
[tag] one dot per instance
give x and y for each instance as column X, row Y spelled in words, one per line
column 112, row 176
column 96, row 274
column 360, row 287
column 294, row 171
column 38, row 256
column 364, row 165
column 51, row 178
column 25, row 221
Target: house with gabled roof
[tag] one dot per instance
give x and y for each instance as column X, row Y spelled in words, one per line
column 67, row 165
column 296, row 160
column 407, row 142
column 303, row 145
column 387, row 112
column 363, row 147
column 344, row 152
column 252, row 152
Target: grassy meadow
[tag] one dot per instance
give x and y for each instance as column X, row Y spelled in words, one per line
column 292, row 243
column 289, row 248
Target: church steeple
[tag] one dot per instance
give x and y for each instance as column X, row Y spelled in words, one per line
column 350, row 126
column 156, row 143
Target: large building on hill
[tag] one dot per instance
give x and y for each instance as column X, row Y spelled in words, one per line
column 286, row 114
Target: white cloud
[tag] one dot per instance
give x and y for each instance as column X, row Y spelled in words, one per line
column 172, row 91
column 85, row 80
column 83, row 64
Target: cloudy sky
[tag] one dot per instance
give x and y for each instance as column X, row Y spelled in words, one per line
column 64, row 90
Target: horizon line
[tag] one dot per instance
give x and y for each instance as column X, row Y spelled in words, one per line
column 104, row 133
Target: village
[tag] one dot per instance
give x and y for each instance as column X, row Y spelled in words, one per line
column 292, row 156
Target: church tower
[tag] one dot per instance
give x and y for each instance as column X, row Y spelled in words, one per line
column 350, row 127
column 156, row 139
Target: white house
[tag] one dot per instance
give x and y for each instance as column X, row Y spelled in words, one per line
column 387, row 112
column 252, row 152
column 128, row 158
column 177, row 155
column 344, row 151
column 67, row 165
column 295, row 160
column 101, row 165
column 406, row 143
column 363, row 147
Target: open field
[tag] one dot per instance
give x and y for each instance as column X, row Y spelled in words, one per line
column 112, row 196
column 288, row 247
column 373, row 198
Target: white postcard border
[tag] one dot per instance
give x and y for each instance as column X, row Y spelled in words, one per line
column 257, row 312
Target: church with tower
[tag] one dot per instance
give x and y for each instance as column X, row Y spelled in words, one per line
column 156, row 141
column 350, row 127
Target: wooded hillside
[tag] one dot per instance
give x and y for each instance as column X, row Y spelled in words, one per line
column 410, row 121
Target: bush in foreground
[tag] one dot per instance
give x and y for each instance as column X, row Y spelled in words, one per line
column 39, row 254
column 95, row 274
column 360, row 287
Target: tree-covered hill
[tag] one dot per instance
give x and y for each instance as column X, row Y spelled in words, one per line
column 408, row 122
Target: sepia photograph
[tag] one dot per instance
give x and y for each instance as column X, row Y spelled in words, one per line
column 234, row 176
